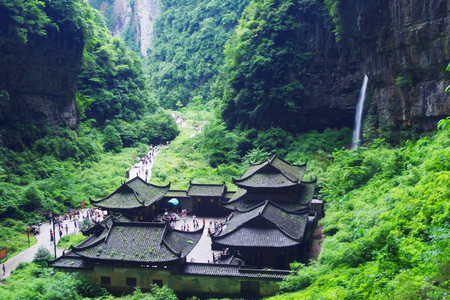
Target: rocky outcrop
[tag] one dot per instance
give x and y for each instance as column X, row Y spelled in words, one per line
column 402, row 45
column 145, row 12
column 404, row 50
column 138, row 14
column 38, row 79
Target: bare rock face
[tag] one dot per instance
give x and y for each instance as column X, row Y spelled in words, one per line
column 403, row 47
column 145, row 12
column 139, row 14
column 404, row 51
column 40, row 77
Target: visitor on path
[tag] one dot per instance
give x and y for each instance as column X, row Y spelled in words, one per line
column 51, row 236
column 4, row 269
column 67, row 229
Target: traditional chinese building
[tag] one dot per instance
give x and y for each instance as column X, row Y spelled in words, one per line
column 136, row 199
column 268, row 225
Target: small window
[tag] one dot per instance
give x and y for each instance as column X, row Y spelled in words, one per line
column 105, row 280
column 131, row 281
column 158, row 282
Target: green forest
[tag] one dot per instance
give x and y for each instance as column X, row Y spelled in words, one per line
column 247, row 73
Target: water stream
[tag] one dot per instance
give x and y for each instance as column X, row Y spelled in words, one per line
column 359, row 114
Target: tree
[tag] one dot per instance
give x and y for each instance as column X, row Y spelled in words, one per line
column 111, row 139
column 42, row 257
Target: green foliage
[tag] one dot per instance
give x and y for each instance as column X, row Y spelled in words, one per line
column 111, row 84
column 30, row 281
column 42, row 257
column 332, row 6
column 163, row 293
column 13, row 236
column 261, row 80
column 386, row 225
column 26, row 17
column 72, row 240
column 111, row 139
column 444, row 124
column 188, row 48
column 85, row 225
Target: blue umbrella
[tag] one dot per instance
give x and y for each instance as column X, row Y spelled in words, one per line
column 174, row 201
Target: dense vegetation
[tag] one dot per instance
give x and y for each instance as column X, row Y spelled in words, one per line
column 45, row 169
column 261, row 82
column 387, row 212
column 188, row 49
column 386, row 226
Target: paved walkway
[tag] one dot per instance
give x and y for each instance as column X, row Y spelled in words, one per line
column 43, row 239
column 202, row 252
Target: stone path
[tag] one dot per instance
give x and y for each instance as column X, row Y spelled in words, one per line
column 202, row 252
column 43, row 239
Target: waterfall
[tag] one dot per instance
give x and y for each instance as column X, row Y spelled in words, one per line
column 359, row 114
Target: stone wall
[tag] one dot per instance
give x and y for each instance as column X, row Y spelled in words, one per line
column 182, row 284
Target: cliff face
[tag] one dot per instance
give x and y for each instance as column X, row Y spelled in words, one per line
column 137, row 17
column 403, row 47
column 40, row 77
column 404, row 51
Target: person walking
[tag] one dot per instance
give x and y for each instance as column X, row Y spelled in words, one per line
column 67, row 229
column 4, row 269
column 51, row 236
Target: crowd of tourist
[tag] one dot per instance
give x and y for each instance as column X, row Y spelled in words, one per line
column 61, row 223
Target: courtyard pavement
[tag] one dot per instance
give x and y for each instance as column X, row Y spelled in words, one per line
column 202, row 252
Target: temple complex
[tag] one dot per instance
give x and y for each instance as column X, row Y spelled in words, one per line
column 267, row 223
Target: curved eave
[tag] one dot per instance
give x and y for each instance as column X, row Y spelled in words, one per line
column 244, row 186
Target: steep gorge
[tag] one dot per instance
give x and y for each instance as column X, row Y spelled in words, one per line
column 132, row 18
column 403, row 46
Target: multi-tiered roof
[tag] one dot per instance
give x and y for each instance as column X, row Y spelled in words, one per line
column 267, row 225
column 274, row 180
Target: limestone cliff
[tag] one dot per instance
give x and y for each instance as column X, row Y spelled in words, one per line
column 135, row 17
column 402, row 45
column 38, row 78
column 404, row 51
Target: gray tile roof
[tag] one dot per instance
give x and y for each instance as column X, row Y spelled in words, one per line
column 132, row 194
column 268, row 224
column 294, row 172
column 266, row 180
column 256, row 237
column 205, row 190
column 71, row 262
column 139, row 242
column 232, row 271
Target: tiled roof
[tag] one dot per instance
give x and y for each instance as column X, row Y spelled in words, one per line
column 183, row 241
column 232, row 271
column 306, row 192
column 267, row 224
column 294, row 172
column 176, row 193
column 139, row 242
column 71, row 261
column 266, row 180
column 202, row 189
column 132, row 194
column 228, row 195
column 256, row 237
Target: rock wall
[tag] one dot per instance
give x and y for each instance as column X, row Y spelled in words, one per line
column 40, row 77
column 139, row 14
column 403, row 47
column 404, row 50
